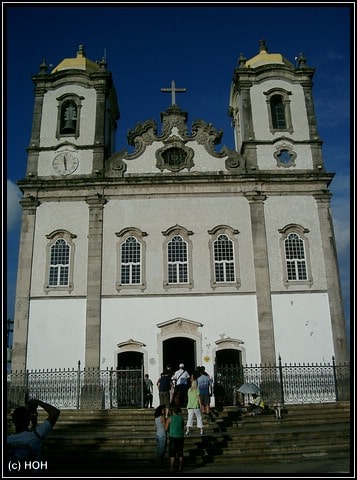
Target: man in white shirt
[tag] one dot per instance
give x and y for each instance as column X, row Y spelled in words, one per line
column 180, row 378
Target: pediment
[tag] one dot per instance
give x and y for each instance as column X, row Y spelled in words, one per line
column 229, row 342
column 179, row 325
column 131, row 343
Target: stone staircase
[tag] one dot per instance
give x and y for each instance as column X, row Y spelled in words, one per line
column 105, row 442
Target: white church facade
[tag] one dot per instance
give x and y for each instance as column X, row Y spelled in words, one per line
column 178, row 250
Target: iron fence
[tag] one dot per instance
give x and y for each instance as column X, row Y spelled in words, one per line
column 289, row 383
column 76, row 388
column 115, row 388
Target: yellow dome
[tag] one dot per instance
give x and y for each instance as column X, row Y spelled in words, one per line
column 80, row 62
column 264, row 58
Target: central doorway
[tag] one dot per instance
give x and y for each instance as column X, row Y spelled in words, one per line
column 179, row 350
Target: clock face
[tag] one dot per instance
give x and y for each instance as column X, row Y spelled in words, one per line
column 65, row 163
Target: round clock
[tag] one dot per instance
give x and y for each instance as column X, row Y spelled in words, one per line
column 65, row 163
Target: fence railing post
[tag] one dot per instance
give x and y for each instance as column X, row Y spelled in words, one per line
column 78, row 383
column 281, row 378
column 335, row 378
column 111, row 387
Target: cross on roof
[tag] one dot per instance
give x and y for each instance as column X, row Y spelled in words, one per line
column 173, row 90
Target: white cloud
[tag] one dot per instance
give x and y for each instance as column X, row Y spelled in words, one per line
column 340, row 206
column 13, row 206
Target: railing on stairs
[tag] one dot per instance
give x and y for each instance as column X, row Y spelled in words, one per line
column 288, row 383
column 123, row 388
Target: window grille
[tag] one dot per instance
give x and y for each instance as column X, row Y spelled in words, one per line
column 59, row 263
column 224, row 260
column 278, row 112
column 131, row 261
column 295, row 257
column 177, row 260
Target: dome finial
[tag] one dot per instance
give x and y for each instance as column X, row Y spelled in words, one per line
column 301, row 60
column 43, row 68
column 81, row 51
column 242, row 60
column 262, row 46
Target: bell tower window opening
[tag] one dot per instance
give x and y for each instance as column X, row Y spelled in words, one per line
column 278, row 104
column 68, row 117
column 69, row 107
column 278, row 112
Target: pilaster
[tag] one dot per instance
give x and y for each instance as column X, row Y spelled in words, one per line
column 338, row 324
column 94, row 280
column 262, row 279
column 29, row 206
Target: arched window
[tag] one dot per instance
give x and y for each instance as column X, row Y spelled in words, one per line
column 277, row 112
column 178, row 257
column 295, row 257
column 224, row 259
column 295, row 252
column 131, row 259
column 130, row 262
column 60, row 259
column 59, row 264
column 224, row 256
column 278, row 104
column 69, row 107
column 68, row 117
column 177, row 260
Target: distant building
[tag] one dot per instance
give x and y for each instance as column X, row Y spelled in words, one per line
column 175, row 249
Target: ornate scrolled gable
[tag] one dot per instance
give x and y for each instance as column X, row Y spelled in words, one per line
column 174, row 155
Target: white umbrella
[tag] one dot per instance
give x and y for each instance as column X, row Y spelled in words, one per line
column 248, row 388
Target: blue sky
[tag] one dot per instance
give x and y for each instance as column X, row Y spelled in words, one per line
column 149, row 45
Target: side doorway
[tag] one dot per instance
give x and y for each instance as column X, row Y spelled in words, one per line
column 130, row 379
column 228, row 374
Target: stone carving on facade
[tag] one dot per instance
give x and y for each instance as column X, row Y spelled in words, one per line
column 115, row 167
column 174, row 155
column 182, row 325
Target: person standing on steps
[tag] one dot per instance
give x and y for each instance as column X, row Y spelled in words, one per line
column 160, row 423
column 148, row 391
column 175, row 426
column 204, row 384
column 164, row 386
column 180, row 379
column 194, row 408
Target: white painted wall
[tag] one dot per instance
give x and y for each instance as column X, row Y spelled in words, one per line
column 297, row 108
column 56, row 335
column 51, row 216
column 302, row 328
column 49, row 117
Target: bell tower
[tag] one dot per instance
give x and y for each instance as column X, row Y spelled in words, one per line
column 74, row 121
column 273, row 114
column 73, row 131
